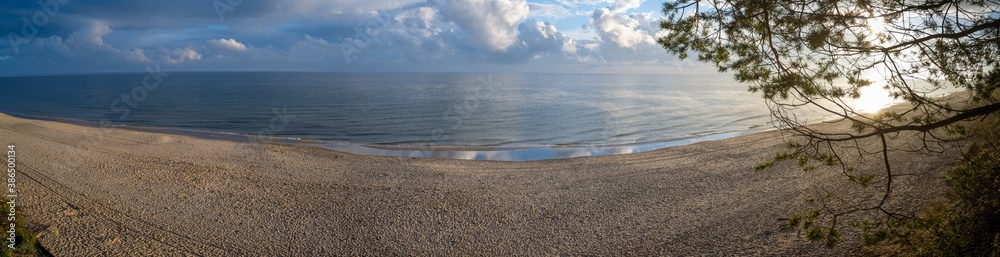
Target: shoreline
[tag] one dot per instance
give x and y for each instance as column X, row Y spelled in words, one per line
column 494, row 153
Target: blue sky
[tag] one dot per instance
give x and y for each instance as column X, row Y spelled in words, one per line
column 76, row 36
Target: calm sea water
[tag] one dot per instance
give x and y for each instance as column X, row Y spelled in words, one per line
column 404, row 109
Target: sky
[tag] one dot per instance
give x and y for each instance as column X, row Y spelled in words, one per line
column 76, row 36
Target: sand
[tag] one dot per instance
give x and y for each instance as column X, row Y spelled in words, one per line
column 113, row 192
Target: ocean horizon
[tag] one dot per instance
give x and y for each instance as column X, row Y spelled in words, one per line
column 495, row 116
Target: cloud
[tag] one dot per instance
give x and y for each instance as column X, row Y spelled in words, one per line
column 180, row 55
column 335, row 35
column 421, row 35
column 493, row 22
column 538, row 39
column 312, row 47
column 623, row 5
column 589, row 52
column 551, row 11
column 577, row 3
column 91, row 35
column 228, row 44
column 627, row 38
column 624, row 30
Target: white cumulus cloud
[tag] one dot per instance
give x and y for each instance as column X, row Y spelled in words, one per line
column 493, row 22
column 228, row 44
column 622, row 5
column 624, row 30
column 180, row 55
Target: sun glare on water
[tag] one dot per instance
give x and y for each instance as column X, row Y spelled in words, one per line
column 873, row 98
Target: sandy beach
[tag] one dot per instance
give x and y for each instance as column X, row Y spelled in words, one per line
column 113, row 192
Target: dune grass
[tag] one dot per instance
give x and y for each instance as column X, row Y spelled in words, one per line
column 969, row 223
column 25, row 243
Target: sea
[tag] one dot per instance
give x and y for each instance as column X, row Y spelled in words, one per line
column 484, row 116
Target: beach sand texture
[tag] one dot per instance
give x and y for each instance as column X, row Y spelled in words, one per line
column 114, row 192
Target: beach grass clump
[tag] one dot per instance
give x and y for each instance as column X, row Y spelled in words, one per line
column 25, row 243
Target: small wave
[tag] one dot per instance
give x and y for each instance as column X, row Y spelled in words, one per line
column 746, row 119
